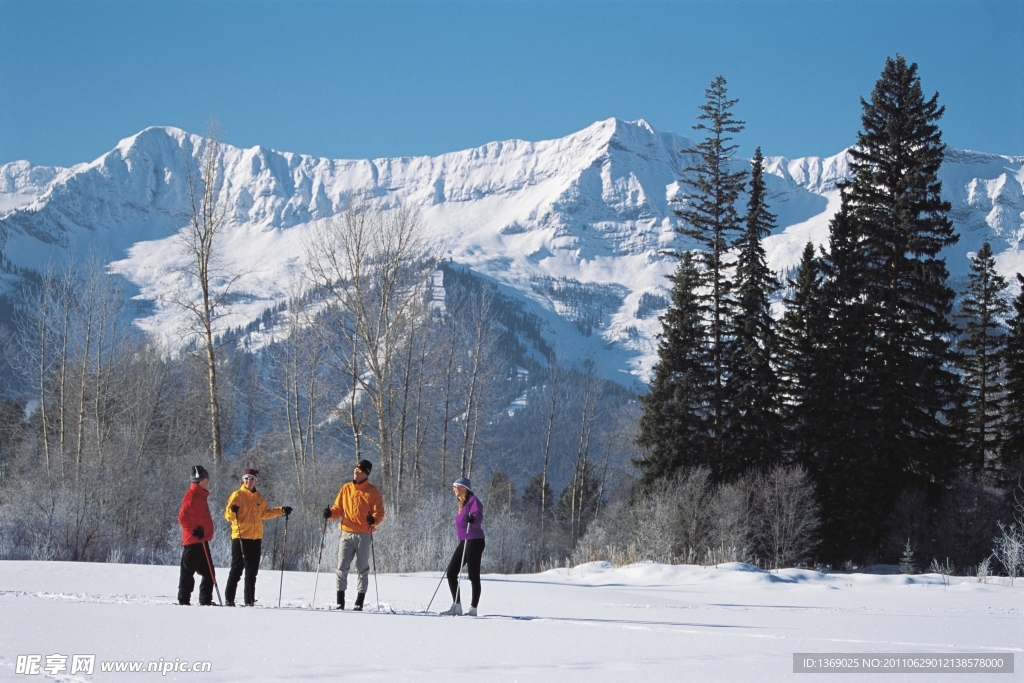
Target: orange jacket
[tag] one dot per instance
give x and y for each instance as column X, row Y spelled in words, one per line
column 252, row 510
column 353, row 503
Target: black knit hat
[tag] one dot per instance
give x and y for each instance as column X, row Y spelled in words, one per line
column 365, row 466
column 198, row 474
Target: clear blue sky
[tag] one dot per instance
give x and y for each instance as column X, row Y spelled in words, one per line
column 378, row 79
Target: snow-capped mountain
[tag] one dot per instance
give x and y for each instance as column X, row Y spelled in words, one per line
column 589, row 213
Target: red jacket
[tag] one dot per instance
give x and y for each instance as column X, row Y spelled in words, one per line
column 195, row 512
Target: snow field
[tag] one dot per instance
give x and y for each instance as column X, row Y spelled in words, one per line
column 592, row 623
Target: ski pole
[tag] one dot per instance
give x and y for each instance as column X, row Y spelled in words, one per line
column 213, row 576
column 443, row 574
column 376, row 586
column 284, row 546
column 458, row 575
column 318, row 559
column 427, row 608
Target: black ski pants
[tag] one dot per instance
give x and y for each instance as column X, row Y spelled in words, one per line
column 245, row 554
column 474, row 551
column 194, row 561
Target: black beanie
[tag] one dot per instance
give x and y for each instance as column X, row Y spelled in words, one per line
column 198, row 474
column 365, row 466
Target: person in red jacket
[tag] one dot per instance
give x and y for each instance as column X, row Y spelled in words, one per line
column 196, row 534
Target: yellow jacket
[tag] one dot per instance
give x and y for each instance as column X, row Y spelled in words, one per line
column 252, row 510
column 353, row 503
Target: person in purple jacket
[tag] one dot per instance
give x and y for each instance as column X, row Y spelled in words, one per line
column 469, row 526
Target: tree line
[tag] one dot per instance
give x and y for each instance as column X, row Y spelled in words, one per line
column 899, row 398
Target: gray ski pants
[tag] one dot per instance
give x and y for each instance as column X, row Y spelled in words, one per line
column 357, row 545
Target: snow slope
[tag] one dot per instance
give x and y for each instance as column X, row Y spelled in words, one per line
column 592, row 623
column 593, row 207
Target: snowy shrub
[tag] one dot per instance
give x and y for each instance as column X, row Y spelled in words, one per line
column 654, row 522
column 693, row 493
column 685, row 520
column 593, row 546
column 943, row 570
column 984, row 570
column 58, row 523
column 615, row 536
column 1009, row 549
column 787, row 514
column 730, row 524
column 507, row 542
column 722, row 554
column 419, row 538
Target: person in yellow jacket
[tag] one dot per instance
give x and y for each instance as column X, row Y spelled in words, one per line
column 361, row 510
column 246, row 510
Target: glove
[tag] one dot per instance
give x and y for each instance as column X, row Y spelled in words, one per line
column 327, row 513
column 470, row 518
column 234, row 509
column 199, row 533
column 287, row 510
column 370, row 519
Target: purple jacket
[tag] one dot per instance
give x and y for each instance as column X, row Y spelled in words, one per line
column 476, row 529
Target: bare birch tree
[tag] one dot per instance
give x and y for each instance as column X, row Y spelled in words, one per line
column 479, row 376
column 203, row 270
column 373, row 266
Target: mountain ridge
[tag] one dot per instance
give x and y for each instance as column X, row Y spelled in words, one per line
column 593, row 207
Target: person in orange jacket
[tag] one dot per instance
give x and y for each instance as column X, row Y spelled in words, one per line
column 246, row 510
column 361, row 510
column 196, row 534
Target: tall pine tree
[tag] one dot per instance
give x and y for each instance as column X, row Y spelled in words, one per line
column 840, row 425
column 982, row 338
column 1011, row 455
column 753, row 422
column 890, row 296
column 800, row 366
column 710, row 218
column 675, row 424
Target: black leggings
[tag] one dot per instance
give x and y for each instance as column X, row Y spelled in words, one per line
column 245, row 554
column 474, row 551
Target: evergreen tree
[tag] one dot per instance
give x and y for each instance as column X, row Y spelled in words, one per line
column 981, row 343
column 710, row 218
column 890, row 329
column 752, row 427
column 578, row 504
column 1011, row 456
column 675, row 424
column 799, row 364
column 536, row 491
column 841, row 425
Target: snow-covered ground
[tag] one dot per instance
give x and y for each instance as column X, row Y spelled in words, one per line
column 644, row 623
